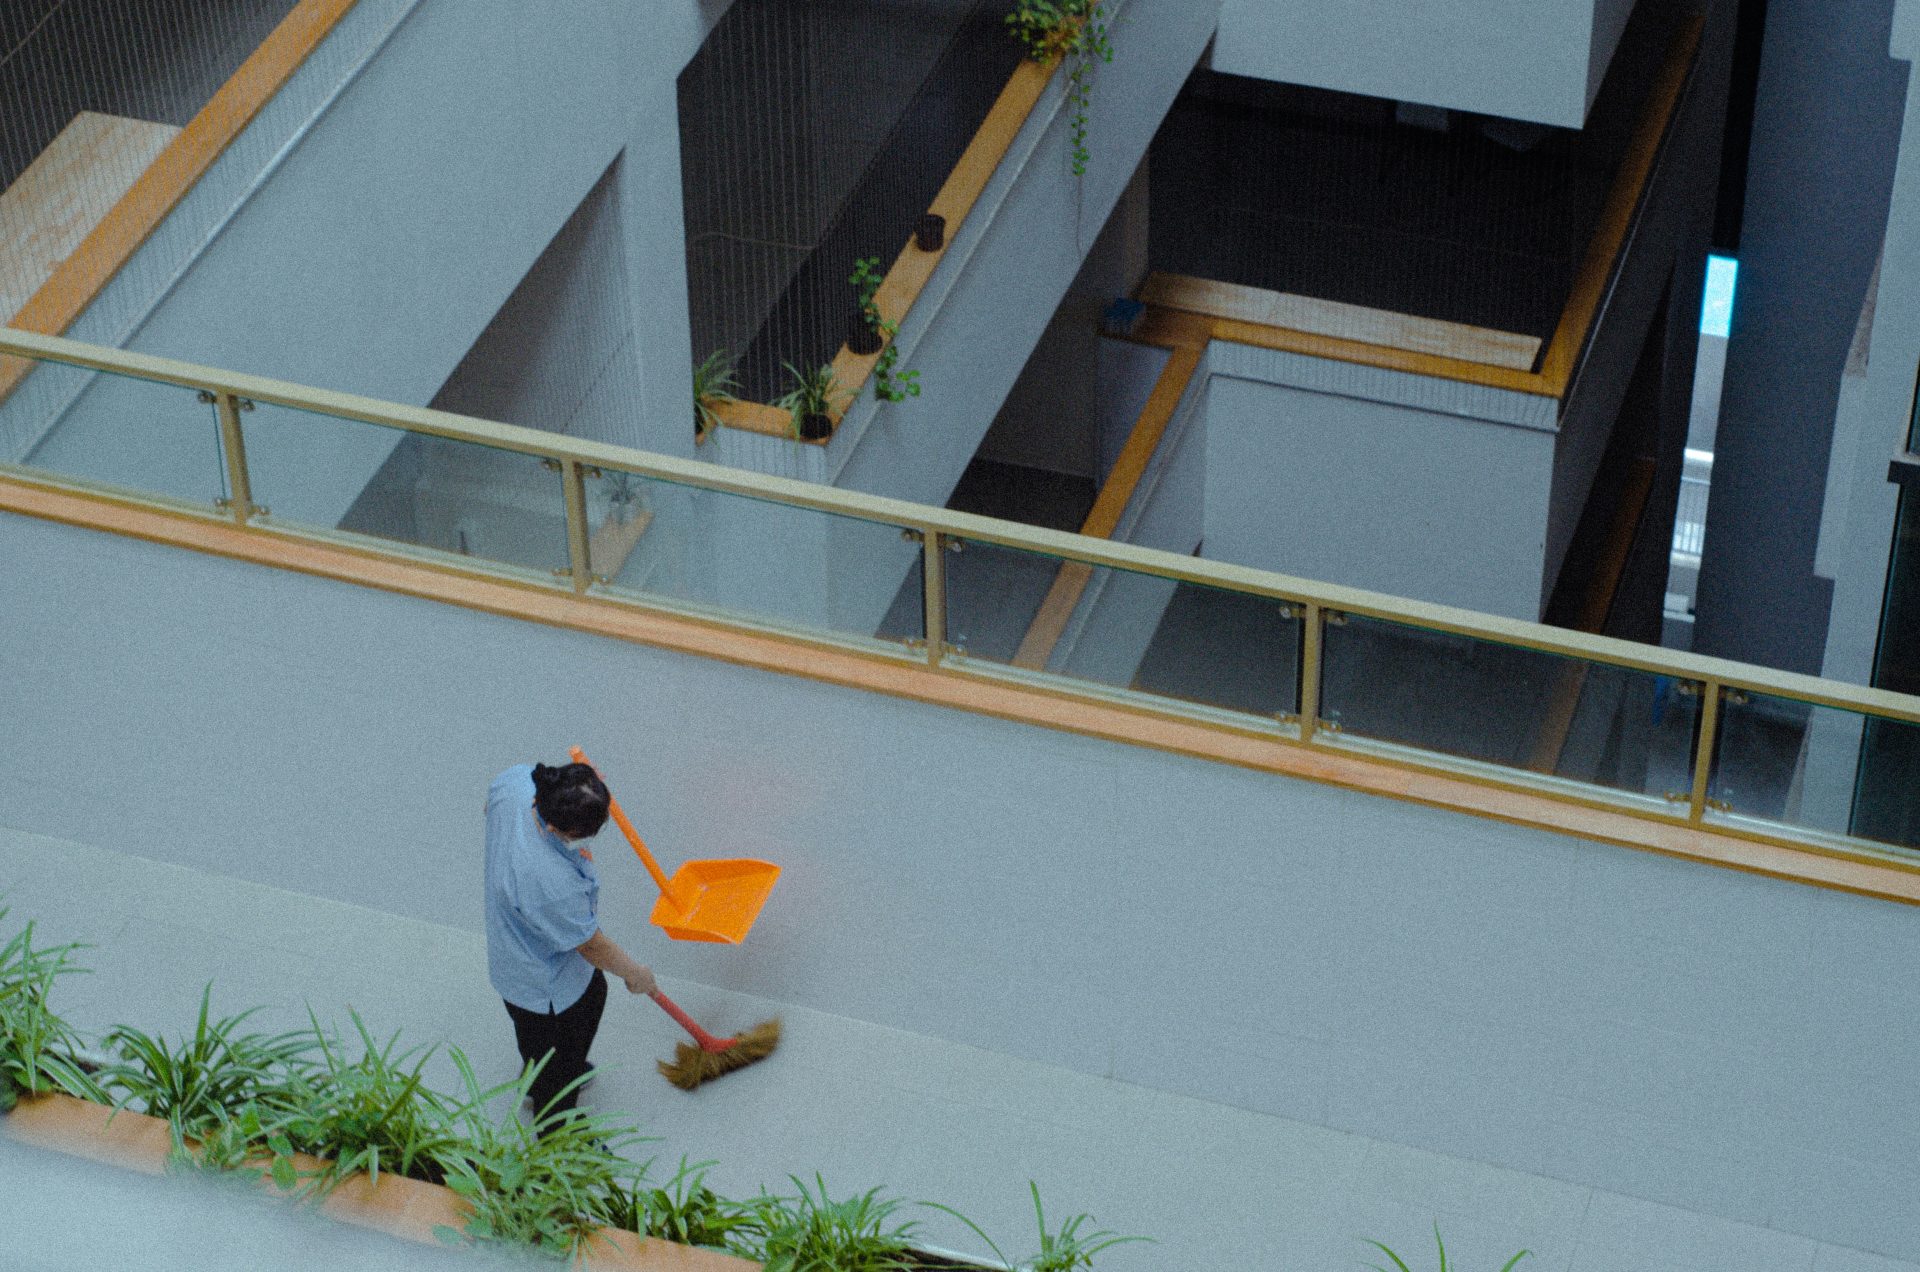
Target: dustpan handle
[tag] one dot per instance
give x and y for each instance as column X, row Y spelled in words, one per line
column 633, row 837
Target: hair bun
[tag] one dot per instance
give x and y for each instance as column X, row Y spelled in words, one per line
column 545, row 777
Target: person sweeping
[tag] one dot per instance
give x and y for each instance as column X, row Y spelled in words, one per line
column 546, row 955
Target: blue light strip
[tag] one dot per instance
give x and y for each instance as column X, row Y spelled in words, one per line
column 1716, row 309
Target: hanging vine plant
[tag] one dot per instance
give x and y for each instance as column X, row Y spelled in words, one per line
column 888, row 385
column 1074, row 31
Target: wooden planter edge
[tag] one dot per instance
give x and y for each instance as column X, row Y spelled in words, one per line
column 408, row 1209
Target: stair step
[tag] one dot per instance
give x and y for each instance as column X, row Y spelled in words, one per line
column 66, row 191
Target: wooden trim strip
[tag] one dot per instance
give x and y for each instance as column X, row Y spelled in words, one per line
column 1562, row 352
column 1070, row 583
column 1616, row 217
column 80, row 278
column 900, row 513
column 912, row 269
column 1381, row 327
column 1863, row 872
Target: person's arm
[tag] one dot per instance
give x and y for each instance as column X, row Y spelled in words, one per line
column 601, row 951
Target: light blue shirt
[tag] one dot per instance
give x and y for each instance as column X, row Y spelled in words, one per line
column 543, row 901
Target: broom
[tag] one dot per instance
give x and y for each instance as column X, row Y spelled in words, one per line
column 713, row 1057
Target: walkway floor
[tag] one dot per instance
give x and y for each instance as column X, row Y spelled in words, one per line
column 1218, row 1187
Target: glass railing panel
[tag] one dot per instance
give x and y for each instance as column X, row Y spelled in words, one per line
column 142, row 437
column 1817, row 768
column 1123, row 629
column 1509, row 706
column 324, row 472
column 754, row 561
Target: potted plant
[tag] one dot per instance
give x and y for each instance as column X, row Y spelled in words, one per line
column 1074, row 31
column 713, row 387
column 878, row 335
column 34, row 1042
column 1064, row 1249
column 1400, row 1265
column 812, row 1233
column 811, row 402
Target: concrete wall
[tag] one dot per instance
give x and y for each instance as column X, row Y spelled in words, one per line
column 1541, row 62
column 1378, row 479
column 1004, row 273
column 1826, row 130
column 1702, row 1037
column 374, row 256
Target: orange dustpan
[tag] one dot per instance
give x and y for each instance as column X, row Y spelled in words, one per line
column 705, row 900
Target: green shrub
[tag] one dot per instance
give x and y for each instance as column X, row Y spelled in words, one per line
column 810, row 1233
column 35, row 1044
column 684, row 1210
column 1061, row 1250
column 371, row 1114
column 1400, row 1265
column 546, row 1184
column 208, row 1081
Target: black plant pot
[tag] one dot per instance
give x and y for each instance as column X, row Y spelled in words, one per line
column 930, row 235
column 815, row 427
column 861, row 337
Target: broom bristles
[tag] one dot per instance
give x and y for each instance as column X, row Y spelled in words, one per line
column 691, row 1066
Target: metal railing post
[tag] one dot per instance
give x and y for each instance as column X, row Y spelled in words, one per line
column 579, row 544
column 1310, row 629
column 1703, row 750
column 933, row 592
column 233, row 446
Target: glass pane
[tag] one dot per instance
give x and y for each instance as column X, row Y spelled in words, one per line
column 1500, row 704
column 113, row 430
column 1123, row 629
column 329, row 473
column 754, row 561
column 1819, row 768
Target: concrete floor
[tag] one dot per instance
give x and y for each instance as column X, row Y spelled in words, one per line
column 1216, row 1186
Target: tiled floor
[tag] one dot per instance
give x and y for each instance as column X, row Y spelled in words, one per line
column 1217, row 1187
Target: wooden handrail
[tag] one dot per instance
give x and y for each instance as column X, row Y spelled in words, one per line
column 912, row 269
column 80, row 278
column 1561, row 355
column 1858, row 871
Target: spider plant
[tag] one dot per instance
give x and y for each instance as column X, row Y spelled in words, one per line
column 713, row 386
column 215, row 1074
column 813, row 397
column 1061, row 1250
column 546, row 1185
column 810, row 1233
column 34, row 1042
column 1400, row 1264
column 684, row 1210
column 375, row 1113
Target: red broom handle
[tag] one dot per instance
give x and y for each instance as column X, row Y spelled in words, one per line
column 706, row 1040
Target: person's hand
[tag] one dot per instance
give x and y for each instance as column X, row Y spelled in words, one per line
column 641, row 981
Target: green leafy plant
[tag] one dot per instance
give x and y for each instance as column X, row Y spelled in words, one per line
column 684, row 1209
column 1074, row 31
column 887, row 385
column 546, row 1185
column 713, row 386
column 1400, row 1264
column 35, row 1044
column 1063, row 1249
column 814, row 393
column 374, row 1113
column 215, row 1074
column 810, row 1233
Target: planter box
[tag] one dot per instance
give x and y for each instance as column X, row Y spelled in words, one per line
column 400, row 1207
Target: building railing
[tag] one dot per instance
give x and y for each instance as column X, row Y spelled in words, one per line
column 1661, row 734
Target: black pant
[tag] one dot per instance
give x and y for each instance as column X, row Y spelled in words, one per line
column 562, row 1036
